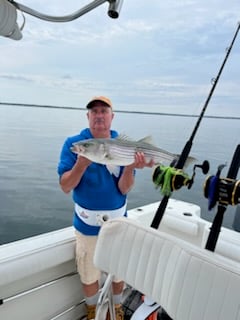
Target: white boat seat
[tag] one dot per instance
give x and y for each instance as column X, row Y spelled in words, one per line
column 187, row 281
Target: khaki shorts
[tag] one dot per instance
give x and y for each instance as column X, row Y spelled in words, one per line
column 85, row 247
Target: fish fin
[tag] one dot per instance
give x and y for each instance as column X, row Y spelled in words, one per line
column 115, row 170
column 124, row 137
column 148, row 140
column 190, row 160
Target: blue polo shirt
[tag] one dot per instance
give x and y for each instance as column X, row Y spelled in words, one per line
column 98, row 188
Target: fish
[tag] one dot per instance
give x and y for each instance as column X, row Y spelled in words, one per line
column 121, row 151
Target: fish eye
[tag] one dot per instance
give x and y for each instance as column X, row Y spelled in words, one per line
column 86, row 144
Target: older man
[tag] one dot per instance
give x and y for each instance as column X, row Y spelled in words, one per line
column 95, row 189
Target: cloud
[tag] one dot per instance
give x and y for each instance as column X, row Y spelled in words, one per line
column 163, row 53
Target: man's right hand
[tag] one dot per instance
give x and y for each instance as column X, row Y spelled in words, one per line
column 83, row 161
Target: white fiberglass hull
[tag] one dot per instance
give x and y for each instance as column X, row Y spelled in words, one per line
column 38, row 278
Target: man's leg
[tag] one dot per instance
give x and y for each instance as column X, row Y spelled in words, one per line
column 90, row 289
column 117, row 288
column 90, row 276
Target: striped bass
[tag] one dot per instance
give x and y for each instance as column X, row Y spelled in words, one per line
column 121, row 151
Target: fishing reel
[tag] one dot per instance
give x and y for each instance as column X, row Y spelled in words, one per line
column 170, row 179
column 226, row 191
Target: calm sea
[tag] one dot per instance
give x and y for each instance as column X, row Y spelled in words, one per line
column 31, row 138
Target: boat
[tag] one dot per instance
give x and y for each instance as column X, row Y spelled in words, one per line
column 39, row 280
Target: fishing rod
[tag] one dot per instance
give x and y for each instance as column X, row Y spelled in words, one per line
column 182, row 160
column 224, row 191
column 187, row 148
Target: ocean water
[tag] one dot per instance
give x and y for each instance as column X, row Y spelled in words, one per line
column 31, row 138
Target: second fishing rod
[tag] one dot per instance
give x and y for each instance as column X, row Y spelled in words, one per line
column 187, row 148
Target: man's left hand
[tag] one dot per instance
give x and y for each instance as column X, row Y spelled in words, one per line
column 140, row 161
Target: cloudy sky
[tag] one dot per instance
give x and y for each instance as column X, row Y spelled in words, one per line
column 159, row 56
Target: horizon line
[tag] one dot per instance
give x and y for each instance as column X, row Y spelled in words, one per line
column 119, row 111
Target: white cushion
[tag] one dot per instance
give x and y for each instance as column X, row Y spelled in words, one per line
column 190, row 283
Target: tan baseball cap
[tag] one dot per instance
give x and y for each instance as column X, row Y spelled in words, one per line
column 103, row 99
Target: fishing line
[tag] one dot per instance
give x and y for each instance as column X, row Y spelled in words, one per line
column 187, row 148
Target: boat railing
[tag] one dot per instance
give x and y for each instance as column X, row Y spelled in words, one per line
column 38, row 278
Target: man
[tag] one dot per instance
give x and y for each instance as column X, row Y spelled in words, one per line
column 95, row 190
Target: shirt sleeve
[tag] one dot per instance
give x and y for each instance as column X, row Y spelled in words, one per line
column 67, row 158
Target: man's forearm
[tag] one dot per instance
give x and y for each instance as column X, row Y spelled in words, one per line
column 70, row 179
column 127, row 180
